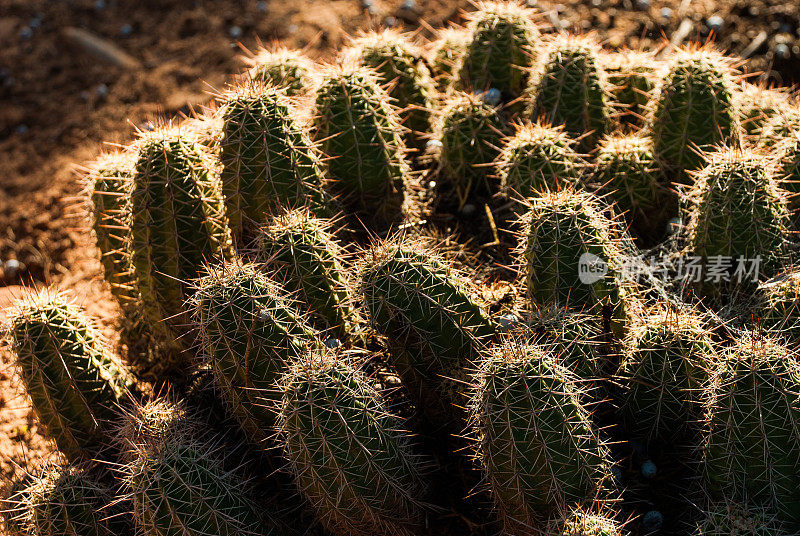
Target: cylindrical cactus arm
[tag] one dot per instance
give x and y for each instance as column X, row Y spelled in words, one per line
column 72, row 380
column 347, row 451
column 289, row 70
column 249, row 334
column 445, row 56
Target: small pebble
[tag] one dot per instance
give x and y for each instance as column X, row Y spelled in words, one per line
column 235, row 32
column 649, row 469
column 642, row 5
column 782, row 51
column 264, row 314
column 652, row 520
column 408, row 5
column 492, row 96
column 332, row 343
column 125, row 30
column 22, row 129
column 469, row 209
column 597, row 3
column 292, row 29
column 715, row 23
column 11, row 268
column 101, row 90
column 532, row 3
column 261, row 6
column 508, row 321
column 99, row 5
column 433, row 144
column 666, row 13
column 25, row 32
column 36, row 21
column 366, row 4
column 390, row 22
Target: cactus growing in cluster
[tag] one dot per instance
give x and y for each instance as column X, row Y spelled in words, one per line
column 500, row 49
column 399, row 66
column 289, row 70
column 575, row 342
column 309, row 261
column 108, row 187
column 694, row 110
column 752, row 446
column 361, row 133
column 72, row 380
column 178, row 222
column 62, row 500
column 569, row 89
column 350, row 456
column 445, row 56
column 538, row 158
column 267, row 157
column 665, row 366
column 435, row 327
column 631, row 82
column 249, row 334
column 627, row 172
column 739, row 214
column 471, row 133
column 570, row 257
column 535, row 442
column 729, row 518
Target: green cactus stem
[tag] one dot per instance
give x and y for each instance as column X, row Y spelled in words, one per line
column 289, row 70
column 758, row 105
column 631, row 80
column 445, row 56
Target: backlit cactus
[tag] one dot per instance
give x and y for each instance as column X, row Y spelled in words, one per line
column 580, row 522
column 779, row 307
column 787, row 171
column 740, row 214
column 471, row 133
column 435, row 327
column 752, row 448
column 72, row 380
column 694, row 110
column 309, row 260
column 267, row 157
column 249, row 334
column 360, row 132
column 729, row 518
column 627, row 172
column 758, row 105
column 500, row 50
column 631, row 82
column 569, row 89
column 399, row 66
column 445, row 56
column 178, row 223
column 286, row 69
column 63, row 500
column 535, row 443
column 665, row 367
column 785, row 122
column 575, row 341
column 538, row 158
column 570, row 257
column 350, row 456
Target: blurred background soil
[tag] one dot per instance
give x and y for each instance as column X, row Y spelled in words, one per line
column 59, row 103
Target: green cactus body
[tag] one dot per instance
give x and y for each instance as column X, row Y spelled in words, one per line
column 693, row 111
column 108, row 187
column 631, row 79
column 349, row 454
column 288, row 70
column 788, row 167
column 267, row 159
column 569, row 90
column 565, row 231
column 361, row 134
column 575, row 342
column 785, row 123
column 179, row 487
column 399, row 66
column 500, row 50
column 626, row 170
column 538, row 158
column 471, row 133
column 665, row 367
column 739, row 213
column 733, row 519
column 249, row 334
column 436, row 330
column 64, row 501
column 779, row 303
column 582, row 523
column 70, row 376
column 752, row 446
column 178, row 222
column 758, row 105
column 446, row 53
column 535, row 443
column 309, row 261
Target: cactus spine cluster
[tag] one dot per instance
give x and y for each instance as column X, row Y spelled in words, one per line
column 471, row 133
column 535, row 443
column 694, row 110
column 349, row 454
column 178, row 222
column 309, row 261
column 569, row 89
column 249, row 334
column 538, row 158
column 752, row 448
column 500, row 50
column 631, row 80
column 435, row 327
column 580, row 522
column 286, row 69
column 445, row 56
column 267, row 159
column 72, row 380
column 400, row 68
column 360, row 131
column 780, row 302
column 758, row 105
